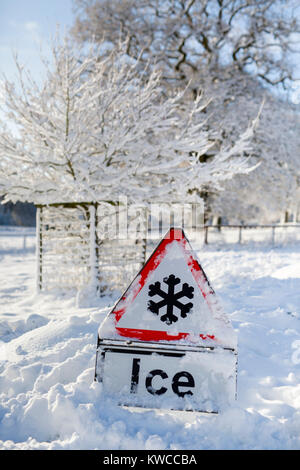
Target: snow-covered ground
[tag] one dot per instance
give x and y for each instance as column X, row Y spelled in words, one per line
column 48, row 399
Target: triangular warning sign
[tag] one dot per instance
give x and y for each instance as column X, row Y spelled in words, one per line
column 170, row 301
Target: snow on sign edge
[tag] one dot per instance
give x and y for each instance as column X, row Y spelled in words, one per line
column 225, row 337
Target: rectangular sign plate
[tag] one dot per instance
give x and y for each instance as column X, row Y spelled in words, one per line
column 203, row 380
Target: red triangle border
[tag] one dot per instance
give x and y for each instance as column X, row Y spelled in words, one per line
column 151, row 264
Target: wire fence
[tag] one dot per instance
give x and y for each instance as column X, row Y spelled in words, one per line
column 62, row 262
column 241, row 234
column 17, row 239
column 24, row 238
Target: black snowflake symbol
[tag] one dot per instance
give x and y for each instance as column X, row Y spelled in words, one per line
column 170, row 299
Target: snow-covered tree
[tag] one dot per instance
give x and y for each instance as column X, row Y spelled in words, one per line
column 101, row 126
column 272, row 189
column 186, row 36
column 230, row 49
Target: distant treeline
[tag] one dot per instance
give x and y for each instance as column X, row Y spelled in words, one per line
column 21, row 214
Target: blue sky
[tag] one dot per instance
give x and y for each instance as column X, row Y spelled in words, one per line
column 24, row 25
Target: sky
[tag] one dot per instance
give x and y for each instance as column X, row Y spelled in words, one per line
column 25, row 25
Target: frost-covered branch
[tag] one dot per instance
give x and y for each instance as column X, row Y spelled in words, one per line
column 100, row 127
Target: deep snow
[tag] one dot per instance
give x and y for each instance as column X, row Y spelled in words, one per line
column 48, row 399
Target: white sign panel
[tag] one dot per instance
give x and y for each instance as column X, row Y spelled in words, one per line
column 203, row 381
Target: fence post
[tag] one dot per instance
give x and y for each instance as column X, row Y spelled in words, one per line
column 93, row 247
column 273, row 235
column 39, row 248
column 240, row 235
column 144, row 241
column 206, row 235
